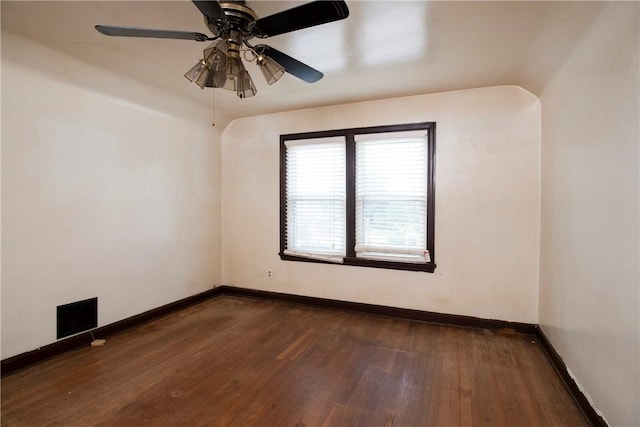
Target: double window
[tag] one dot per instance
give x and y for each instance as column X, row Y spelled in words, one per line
column 360, row 196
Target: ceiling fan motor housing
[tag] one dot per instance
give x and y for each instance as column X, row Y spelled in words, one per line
column 239, row 16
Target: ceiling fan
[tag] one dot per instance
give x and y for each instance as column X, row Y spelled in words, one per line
column 233, row 24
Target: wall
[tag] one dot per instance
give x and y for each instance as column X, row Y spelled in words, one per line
column 103, row 194
column 487, row 205
column 589, row 278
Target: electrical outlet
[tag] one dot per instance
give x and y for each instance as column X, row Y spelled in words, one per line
column 269, row 274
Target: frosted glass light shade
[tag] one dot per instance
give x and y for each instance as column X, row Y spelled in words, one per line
column 218, row 79
column 271, row 70
column 198, row 74
column 244, row 85
column 216, row 56
column 214, row 59
column 234, row 68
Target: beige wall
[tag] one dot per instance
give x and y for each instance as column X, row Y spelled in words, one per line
column 589, row 279
column 487, row 205
column 102, row 195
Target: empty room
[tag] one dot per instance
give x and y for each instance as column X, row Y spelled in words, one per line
column 320, row 213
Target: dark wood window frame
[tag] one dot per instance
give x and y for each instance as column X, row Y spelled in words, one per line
column 349, row 135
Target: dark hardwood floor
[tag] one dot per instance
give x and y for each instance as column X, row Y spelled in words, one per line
column 234, row 361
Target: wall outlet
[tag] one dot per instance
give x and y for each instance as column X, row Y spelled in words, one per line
column 269, row 274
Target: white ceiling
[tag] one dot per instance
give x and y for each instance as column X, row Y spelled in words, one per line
column 383, row 49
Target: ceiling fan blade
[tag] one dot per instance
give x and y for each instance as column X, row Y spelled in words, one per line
column 210, row 9
column 291, row 65
column 151, row 33
column 303, row 16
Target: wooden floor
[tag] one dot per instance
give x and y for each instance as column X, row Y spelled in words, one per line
column 234, row 361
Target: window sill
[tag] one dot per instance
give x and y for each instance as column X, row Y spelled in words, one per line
column 427, row 267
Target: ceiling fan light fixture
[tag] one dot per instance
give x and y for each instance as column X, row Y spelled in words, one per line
column 214, row 60
column 216, row 56
column 244, row 85
column 198, row 74
column 271, row 70
column 235, row 67
column 218, row 79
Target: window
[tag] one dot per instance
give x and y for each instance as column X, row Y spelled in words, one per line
column 360, row 196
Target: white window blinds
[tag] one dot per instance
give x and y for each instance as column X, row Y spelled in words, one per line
column 315, row 188
column 391, row 196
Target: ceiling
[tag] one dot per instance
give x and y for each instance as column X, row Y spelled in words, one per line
column 383, row 49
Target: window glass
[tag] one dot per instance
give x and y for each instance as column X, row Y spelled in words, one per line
column 316, row 197
column 391, row 196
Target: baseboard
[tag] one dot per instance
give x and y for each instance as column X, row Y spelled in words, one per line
column 590, row 414
column 23, row 360
column 382, row 310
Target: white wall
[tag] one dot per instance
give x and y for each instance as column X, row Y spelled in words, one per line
column 589, row 280
column 487, row 205
column 102, row 194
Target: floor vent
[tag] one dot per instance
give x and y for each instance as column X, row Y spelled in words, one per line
column 77, row 317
